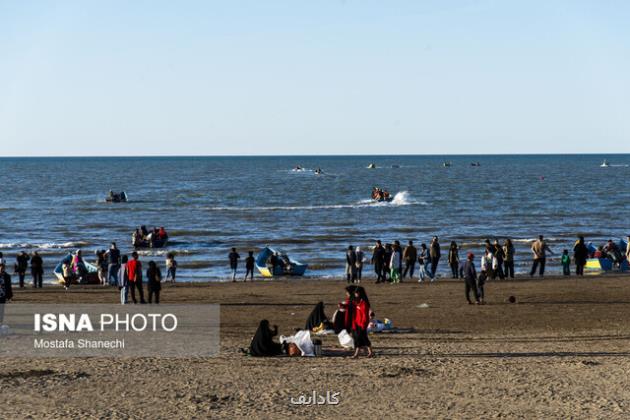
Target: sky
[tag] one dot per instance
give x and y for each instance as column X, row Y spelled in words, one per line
column 114, row 78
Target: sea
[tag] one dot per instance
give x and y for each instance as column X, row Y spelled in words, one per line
column 211, row 204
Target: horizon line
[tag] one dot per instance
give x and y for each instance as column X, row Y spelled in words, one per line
column 310, row 155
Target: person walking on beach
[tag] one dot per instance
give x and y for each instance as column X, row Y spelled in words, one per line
column 378, row 255
column 233, row 257
column 351, row 267
column 470, row 278
column 134, row 274
column 154, row 282
column 171, row 267
column 566, row 263
column 123, row 281
column 500, row 256
column 508, row 261
column 249, row 266
column 113, row 264
column 360, row 321
column 453, row 259
column 359, row 264
column 21, row 265
column 410, row 255
column 37, row 269
column 580, row 255
column 540, row 249
column 395, row 263
column 435, row 254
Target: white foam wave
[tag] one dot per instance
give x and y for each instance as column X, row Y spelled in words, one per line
column 48, row 245
column 400, row 199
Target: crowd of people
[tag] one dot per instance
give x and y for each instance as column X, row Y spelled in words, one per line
column 142, row 237
column 353, row 317
column 21, row 267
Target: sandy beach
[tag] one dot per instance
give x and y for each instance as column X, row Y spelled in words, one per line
column 561, row 351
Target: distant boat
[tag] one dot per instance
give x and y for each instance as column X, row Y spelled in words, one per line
column 285, row 266
column 298, row 168
column 475, row 164
column 113, row 197
column 447, row 164
column 604, row 164
column 371, row 166
column 395, row 166
column 319, row 171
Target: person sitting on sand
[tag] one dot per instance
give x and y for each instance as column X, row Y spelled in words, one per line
column 262, row 344
column 360, row 321
column 317, row 320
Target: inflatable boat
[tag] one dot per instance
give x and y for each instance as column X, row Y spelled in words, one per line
column 599, row 265
column 284, row 266
column 90, row 278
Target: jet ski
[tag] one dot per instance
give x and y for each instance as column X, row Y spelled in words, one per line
column 604, row 164
column 381, row 196
column 446, row 164
column 371, row 166
column 319, row 171
column 113, row 197
column 298, row 168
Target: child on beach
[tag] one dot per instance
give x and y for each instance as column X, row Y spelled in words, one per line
column 566, row 263
column 249, row 266
column 171, row 267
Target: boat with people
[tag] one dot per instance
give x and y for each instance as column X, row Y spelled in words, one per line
column 604, row 164
column 143, row 238
column 79, row 270
column 607, row 257
column 271, row 262
column 447, row 164
column 113, row 197
column 319, row 171
column 380, row 195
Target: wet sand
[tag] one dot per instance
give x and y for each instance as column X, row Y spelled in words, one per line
column 561, row 351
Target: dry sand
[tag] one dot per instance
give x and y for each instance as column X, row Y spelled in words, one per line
column 562, row 351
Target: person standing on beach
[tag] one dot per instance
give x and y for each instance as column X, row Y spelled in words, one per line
column 540, row 249
column 508, row 262
column 423, row 261
column 37, row 269
column 470, row 278
column 378, row 255
column 233, row 257
column 500, row 256
column 154, row 282
column 123, row 281
column 434, row 254
column 21, row 265
column 580, row 255
column 453, row 259
column 249, row 266
column 171, row 267
column 628, row 249
column 6, row 290
column 566, row 263
column 351, row 268
column 395, row 263
column 410, row 255
column 134, row 274
column 359, row 264
column 488, row 266
column 387, row 258
column 113, row 266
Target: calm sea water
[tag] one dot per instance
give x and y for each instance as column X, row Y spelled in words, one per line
column 209, row 204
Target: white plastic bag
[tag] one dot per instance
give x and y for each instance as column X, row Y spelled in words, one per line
column 345, row 340
column 302, row 339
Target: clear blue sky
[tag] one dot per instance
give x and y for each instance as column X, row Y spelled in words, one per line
column 313, row 77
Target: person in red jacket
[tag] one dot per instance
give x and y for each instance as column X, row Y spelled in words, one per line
column 360, row 321
column 134, row 274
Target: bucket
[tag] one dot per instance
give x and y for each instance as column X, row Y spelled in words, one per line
column 317, row 347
